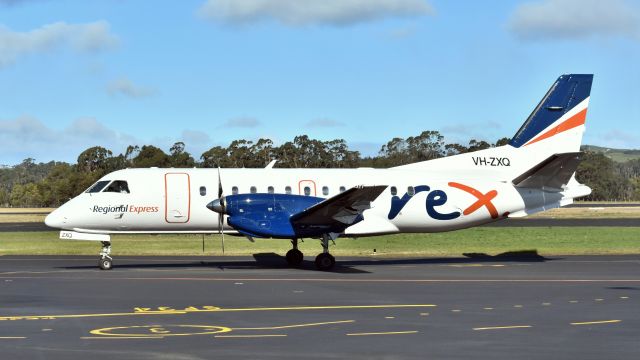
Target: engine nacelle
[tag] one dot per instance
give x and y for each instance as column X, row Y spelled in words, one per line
column 268, row 215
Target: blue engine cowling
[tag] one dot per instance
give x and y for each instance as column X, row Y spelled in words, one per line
column 268, row 215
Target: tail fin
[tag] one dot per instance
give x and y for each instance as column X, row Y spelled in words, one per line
column 560, row 114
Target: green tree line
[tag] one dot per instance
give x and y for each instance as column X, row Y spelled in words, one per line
column 31, row 184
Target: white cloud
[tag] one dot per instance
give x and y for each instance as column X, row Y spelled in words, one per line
column 195, row 138
column 323, row 123
column 311, row 12
column 124, row 86
column 29, row 137
column 575, row 19
column 241, row 122
column 89, row 37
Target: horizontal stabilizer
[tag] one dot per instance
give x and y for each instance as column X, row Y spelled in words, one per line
column 553, row 173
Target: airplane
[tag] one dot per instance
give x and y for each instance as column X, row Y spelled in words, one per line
column 534, row 172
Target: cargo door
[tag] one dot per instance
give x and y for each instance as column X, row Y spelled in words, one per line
column 177, row 197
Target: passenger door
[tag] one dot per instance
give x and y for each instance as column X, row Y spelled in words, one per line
column 177, row 197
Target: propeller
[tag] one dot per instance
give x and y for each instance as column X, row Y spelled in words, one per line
column 221, row 205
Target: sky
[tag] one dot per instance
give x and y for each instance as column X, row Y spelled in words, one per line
column 75, row 74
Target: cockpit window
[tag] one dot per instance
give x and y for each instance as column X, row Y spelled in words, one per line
column 118, row 186
column 97, row 186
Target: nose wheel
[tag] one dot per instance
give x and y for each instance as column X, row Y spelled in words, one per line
column 106, row 262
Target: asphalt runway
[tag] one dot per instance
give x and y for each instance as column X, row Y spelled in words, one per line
column 583, row 307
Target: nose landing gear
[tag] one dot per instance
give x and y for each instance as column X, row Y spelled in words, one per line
column 106, row 262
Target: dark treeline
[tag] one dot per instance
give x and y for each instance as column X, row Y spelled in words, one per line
column 32, row 184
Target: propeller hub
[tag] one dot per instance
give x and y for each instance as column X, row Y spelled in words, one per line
column 217, row 205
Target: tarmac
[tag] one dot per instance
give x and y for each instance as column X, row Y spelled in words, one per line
column 523, row 307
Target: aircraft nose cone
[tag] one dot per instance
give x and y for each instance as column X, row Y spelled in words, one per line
column 54, row 220
column 216, row 205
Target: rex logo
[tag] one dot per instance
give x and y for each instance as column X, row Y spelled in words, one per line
column 437, row 198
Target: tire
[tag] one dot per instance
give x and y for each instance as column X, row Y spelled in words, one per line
column 105, row 264
column 294, row 257
column 325, row 262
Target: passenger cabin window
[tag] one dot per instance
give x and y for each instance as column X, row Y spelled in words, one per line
column 270, row 190
column 394, row 191
column 287, row 189
column 203, row 191
column 118, row 186
column 253, row 190
column 325, row 190
column 97, row 186
column 307, row 191
column 234, row 190
column 411, row 191
column 342, row 189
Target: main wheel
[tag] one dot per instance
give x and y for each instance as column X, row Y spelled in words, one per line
column 325, row 261
column 105, row 264
column 294, row 257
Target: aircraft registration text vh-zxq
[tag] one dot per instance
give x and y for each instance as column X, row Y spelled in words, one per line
column 533, row 173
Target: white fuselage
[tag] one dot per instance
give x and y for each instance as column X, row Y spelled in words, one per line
column 174, row 200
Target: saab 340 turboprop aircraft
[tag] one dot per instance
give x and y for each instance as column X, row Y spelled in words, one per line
column 533, row 173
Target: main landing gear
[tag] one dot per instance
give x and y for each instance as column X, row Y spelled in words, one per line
column 324, row 261
column 295, row 256
column 106, row 262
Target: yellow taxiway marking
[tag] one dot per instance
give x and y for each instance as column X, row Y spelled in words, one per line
column 383, row 333
column 159, row 330
column 250, row 336
column 119, row 337
column 213, row 309
column 502, row 327
column 596, row 322
column 297, row 325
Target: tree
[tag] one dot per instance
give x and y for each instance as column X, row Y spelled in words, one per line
column 151, row 156
column 180, row 158
column 94, row 159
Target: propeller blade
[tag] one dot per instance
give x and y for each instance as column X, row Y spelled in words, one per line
column 221, row 214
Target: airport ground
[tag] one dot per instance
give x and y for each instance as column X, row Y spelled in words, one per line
column 568, row 307
column 505, row 291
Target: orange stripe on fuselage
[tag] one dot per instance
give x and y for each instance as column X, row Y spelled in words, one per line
column 574, row 121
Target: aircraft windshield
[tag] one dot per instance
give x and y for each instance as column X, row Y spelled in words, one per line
column 97, row 186
column 118, row 186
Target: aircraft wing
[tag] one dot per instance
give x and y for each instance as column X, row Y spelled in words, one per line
column 340, row 211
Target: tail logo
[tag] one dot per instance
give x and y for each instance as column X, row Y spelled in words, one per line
column 483, row 199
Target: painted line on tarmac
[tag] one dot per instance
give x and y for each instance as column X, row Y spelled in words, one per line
column 297, row 326
column 186, row 311
column 502, row 327
column 330, row 279
column 596, row 322
column 12, row 337
column 250, row 336
column 383, row 333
